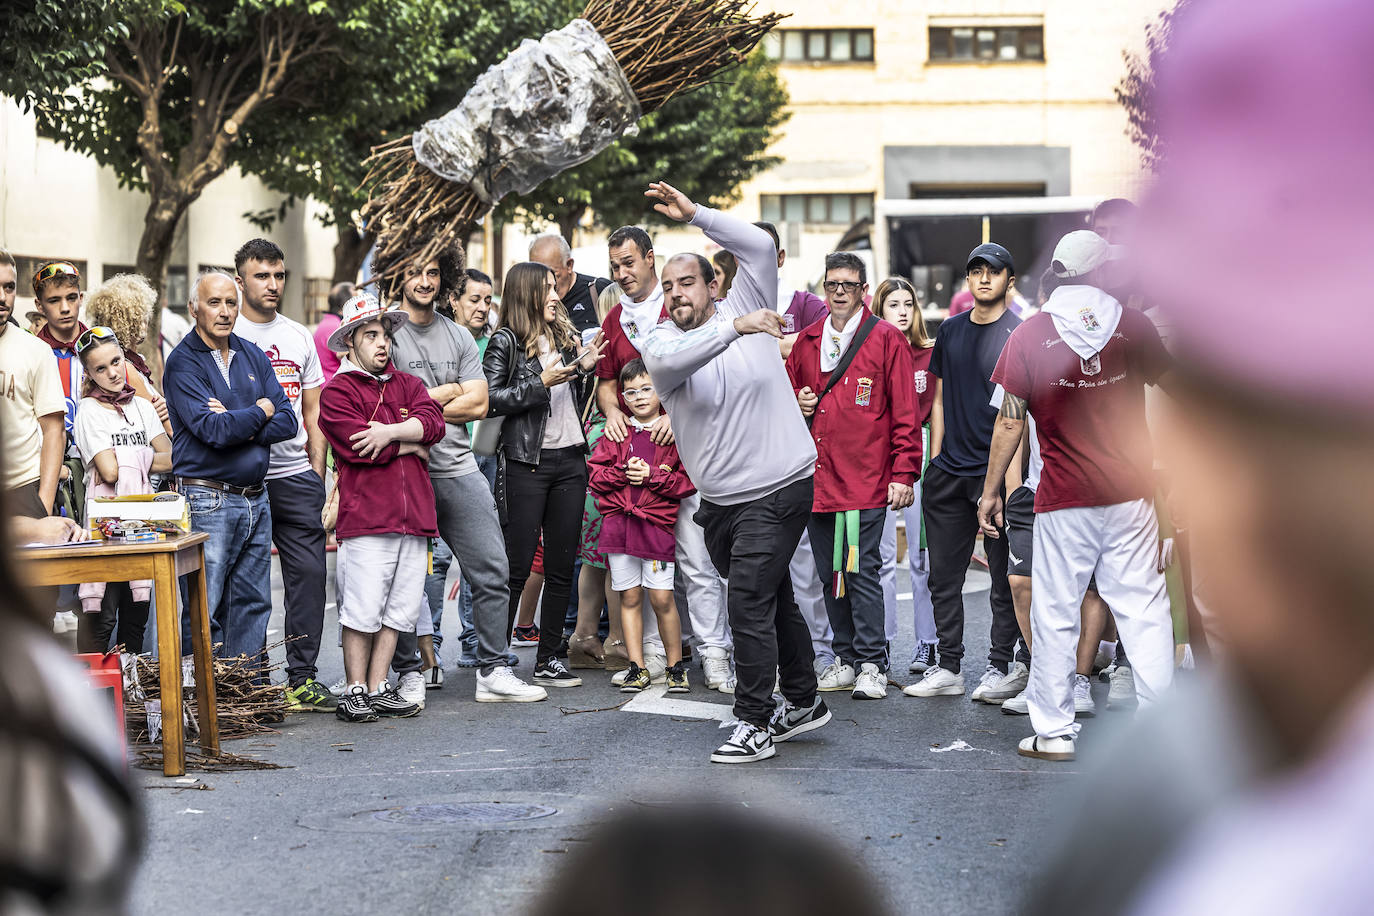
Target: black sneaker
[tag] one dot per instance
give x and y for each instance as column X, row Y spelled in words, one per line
column 790, row 721
column 354, row 706
column 677, row 679
column 387, row 702
column 926, row 657
column 747, row 744
column 636, row 679
column 553, row 673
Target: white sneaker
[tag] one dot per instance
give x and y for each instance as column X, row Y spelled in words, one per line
column 434, row 678
column 994, row 687
column 836, row 676
column 820, row 664
column 747, row 744
column 656, row 665
column 1083, row 704
column 411, row 687
column 715, row 666
column 1046, row 748
column 937, row 682
column 188, row 672
column 1121, row 694
column 69, row 621
column 340, row 687
column 502, row 686
column 1017, row 705
column 871, row 684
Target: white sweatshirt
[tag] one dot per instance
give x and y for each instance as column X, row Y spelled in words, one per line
column 738, row 428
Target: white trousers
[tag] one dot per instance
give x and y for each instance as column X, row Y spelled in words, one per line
column 918, row 562
column 705, row 588
column 808, row 589
column 1118, row 543
column 383, row 583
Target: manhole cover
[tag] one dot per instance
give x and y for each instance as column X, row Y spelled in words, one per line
column 463, row 813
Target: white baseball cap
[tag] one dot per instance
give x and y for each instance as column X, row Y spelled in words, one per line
column 1081, row 252
column 358, row 311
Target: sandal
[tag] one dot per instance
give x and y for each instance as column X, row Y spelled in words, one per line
column 585, row 652
column 613, row 655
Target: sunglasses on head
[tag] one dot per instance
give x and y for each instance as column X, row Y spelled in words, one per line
column 55, row 269
column 94, row 337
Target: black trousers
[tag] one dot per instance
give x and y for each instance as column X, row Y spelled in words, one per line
column 949, row 505
column 859, row 619
column 548, row 497
column 751, row 544
column 118, row 610
column 298, row 535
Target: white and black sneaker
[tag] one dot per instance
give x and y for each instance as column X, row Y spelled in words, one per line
column 926, row 656
column 553, row 673
column 790, row 721
column 388, row 702
column 354, row 706
column 747, row 744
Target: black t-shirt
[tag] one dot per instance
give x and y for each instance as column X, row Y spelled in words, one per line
column 964, row 357
column 581, row 301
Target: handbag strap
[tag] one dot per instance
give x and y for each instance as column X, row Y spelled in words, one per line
column 837, row 373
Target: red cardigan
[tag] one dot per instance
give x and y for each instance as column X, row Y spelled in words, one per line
column 867, row 429
column 385, row 494
column 656, row 501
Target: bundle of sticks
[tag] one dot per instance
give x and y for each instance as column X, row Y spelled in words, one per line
column 664, row 47
column 246, row 701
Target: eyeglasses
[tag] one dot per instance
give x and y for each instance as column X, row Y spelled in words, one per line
column 94, row 337
column 645, row 391
column 55, row 269
column 849, row 286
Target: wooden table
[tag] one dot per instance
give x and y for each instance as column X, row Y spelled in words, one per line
column 164, row 562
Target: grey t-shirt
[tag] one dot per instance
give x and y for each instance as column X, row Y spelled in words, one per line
column 440, row 353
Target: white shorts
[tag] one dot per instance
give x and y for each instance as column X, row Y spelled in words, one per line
column 384, row 582
column 628, row 572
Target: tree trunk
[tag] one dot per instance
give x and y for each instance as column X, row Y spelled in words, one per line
column 154, row 251
column 349, row 252
column 568, row 222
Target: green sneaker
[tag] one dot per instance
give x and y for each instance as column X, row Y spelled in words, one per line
column 677, row 679
column 310, row 697
column 636, row 679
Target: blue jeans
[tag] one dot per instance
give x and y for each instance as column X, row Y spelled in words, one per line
column 434, row 589
column 238, row 570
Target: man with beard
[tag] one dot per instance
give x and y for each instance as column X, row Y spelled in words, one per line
column 295, row 473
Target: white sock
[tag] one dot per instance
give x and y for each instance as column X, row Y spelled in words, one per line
column 357, row 684
column 381, row 685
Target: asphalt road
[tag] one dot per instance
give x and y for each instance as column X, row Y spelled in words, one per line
column 928, row 795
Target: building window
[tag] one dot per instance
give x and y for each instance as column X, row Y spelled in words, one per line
column 830, row 209
column 987, row 43
column 839, row 45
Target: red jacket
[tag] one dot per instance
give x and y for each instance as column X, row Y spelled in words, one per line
column 656, row 501
column 385, row 494
column 866, row 429
column 925, row 383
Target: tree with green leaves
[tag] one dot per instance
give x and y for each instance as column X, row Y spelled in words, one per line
column 171, row 94
column 1136, row 91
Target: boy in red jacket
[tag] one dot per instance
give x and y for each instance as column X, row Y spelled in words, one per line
column 852, row 373
column 380, row 422
column 638, row 486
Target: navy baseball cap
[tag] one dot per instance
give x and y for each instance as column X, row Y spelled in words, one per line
column 994, row 254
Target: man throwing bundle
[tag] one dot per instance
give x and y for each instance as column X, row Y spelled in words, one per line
column 1081, row 367
column 744, row 444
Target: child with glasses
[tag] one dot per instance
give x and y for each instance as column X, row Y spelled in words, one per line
column 638, row 486
column 122, row 442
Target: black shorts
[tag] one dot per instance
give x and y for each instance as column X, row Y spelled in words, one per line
column 1019, row 514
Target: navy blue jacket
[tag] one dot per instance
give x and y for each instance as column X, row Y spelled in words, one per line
column 230, row 447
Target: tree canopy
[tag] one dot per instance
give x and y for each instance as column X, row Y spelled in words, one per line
column 1136, row 91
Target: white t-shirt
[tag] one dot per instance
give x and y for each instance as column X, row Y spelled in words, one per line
column 98, row 428
column 29, row 388
column 290, row 348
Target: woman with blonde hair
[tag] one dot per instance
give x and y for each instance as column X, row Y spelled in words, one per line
column 895, row 302
column 124, row 304
column 539, row 379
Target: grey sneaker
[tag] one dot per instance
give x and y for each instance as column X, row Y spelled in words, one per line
column 790, row 721
column 388, row 702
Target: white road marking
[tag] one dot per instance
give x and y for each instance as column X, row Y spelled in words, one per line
column 656, row 702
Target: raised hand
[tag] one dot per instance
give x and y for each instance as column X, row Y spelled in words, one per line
column 672, row 203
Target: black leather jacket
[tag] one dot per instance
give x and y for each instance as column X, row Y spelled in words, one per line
column 521, row 397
